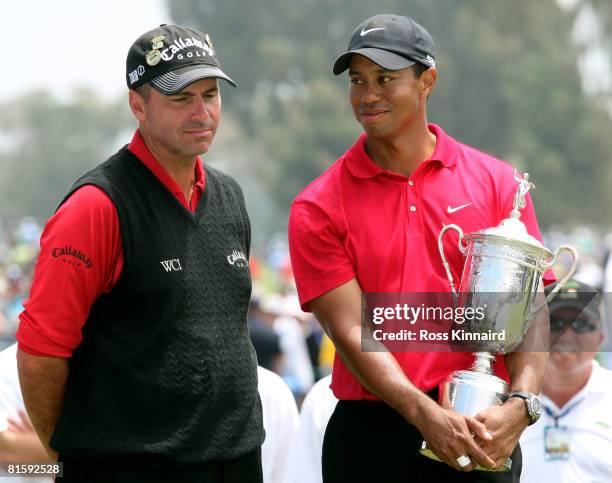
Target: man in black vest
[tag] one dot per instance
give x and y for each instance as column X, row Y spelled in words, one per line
column 134, row 357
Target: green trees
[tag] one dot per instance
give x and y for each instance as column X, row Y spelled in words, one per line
column 48, row 144
column 508, row 83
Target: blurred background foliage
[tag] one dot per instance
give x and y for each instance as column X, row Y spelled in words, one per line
column 511, row 82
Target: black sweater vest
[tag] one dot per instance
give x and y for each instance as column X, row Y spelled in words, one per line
column 166, row 374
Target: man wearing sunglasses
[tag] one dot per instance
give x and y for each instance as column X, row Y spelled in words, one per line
column 573, row 439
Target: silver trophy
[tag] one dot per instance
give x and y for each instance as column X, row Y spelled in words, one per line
column 501, row 275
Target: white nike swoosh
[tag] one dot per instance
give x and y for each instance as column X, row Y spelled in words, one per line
column 452, row 210
column 366, row 32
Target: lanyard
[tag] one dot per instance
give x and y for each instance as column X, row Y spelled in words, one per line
column 558, row 416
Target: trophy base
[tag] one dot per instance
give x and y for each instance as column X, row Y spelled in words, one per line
column 425, row 451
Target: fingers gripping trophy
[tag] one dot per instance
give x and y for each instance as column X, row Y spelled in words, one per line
column 502, row 272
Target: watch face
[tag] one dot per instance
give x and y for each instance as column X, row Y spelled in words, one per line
column 536, row 405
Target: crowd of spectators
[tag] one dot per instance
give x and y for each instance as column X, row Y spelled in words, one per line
column 293, row 351
column 18, row 252
column 288, row 341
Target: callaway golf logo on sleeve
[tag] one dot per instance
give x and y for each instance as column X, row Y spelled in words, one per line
column 72, row 256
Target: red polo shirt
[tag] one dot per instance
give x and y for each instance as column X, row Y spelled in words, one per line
column 360, row 221
column 65, row 287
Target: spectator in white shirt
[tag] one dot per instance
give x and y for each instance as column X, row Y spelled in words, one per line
column 18, row 441
column 280, row 420
column 304, row 459
column 572, row 441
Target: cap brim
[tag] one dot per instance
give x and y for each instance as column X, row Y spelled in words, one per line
column 384, row 58
column 588, row 310
column 172, row 82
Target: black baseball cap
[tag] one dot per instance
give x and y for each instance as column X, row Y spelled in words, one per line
column 170, row 58
column 392, row 41
column 577, row 295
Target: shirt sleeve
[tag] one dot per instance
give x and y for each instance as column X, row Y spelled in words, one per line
column 81, row 257
column 319, row 260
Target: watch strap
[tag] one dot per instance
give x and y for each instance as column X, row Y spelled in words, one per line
column 528, row 398
column 522, row 394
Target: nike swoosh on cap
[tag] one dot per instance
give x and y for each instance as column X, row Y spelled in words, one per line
column 366, row 32
column 457, row 208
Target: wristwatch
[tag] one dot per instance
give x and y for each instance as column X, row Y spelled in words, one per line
column 533, row 403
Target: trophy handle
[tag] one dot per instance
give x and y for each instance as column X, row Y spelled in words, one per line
column 571, row 271
column 462, row 249
column 561, row 282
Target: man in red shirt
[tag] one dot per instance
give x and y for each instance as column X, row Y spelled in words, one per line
column 134, row 356
column 370, row 223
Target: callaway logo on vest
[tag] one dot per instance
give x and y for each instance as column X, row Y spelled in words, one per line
column 237, row 258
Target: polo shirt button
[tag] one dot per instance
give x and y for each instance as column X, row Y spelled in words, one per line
column 412, row 208
column 411, row 183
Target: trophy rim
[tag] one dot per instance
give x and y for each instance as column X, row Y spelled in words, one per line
column 540, row 251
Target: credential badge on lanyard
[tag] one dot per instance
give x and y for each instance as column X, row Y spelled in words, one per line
column 557, row 438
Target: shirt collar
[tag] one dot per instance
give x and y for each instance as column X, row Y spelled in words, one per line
column 597, row 383
column 361, row 165
column 447, row 148
column 138, row 147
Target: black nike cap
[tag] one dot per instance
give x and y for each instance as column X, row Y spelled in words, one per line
column 392, row 41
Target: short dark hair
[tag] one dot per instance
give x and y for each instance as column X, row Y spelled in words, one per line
column 418, row 69
column 144, row 91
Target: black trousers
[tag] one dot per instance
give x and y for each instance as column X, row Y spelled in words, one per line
column 367, row 441
column 244, row 469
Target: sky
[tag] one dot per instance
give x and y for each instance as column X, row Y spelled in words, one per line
column 67, row 43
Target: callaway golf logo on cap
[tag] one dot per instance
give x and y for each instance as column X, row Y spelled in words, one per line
column 170, row 58
column 156, row 54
